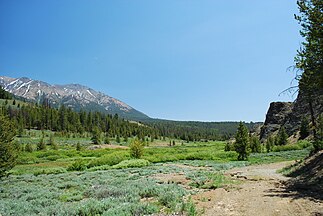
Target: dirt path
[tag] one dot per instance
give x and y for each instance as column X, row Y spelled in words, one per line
column 261, row 192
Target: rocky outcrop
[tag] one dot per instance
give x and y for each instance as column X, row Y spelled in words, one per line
column 275, row 117
column 289, row 114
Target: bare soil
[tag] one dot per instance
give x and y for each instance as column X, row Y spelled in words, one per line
column 261, row 191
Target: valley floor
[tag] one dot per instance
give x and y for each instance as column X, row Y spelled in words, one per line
column 262, row 192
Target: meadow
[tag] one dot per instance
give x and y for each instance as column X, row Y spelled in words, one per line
column 107, row 181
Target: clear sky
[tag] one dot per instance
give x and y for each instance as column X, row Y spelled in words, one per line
column 209, row 60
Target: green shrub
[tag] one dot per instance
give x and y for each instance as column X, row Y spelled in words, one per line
column 131, row 163
column 29, row 147
column 78, row 165
column 41, row 144
column 286, row 148
column 304, row 144
column 229, row 146
column 109, row 159
column 50, row 171
column 98, row 168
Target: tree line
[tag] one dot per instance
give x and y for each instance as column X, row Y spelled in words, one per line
column 65, row 120
column 197, row 131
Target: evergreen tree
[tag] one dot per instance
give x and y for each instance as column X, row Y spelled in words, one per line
column 241, row 145
column 304, row 129
column 41, row 144
column 107, row 140
column 8, row 152
column 255, row 144
column 96, row 136
column 4, row 94
column 20, row 130
column 309, row 59
column 78, row 146
column 270, row 142
column 282, row 136
column 136, row 148
column 118, row 139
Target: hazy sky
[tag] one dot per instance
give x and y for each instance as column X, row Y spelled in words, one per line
column 209, row 60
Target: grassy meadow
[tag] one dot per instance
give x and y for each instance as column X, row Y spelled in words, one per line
column 105, row 180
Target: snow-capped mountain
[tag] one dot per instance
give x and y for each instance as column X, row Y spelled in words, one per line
column 71, row 95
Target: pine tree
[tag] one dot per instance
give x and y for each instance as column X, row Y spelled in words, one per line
column 270, row 142
column 241, row 145
column 255, row 144
column 136, row 148
column 309, row 59
column 107, row 140
column 304, row 129
column 78, row 146
column 118, row 139
column 41, row 144
column 282, row 136
column 96, row 136
column 8, row 152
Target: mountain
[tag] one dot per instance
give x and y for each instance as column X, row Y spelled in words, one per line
column 74, row 96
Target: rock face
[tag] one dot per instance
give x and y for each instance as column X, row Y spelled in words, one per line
column 74, row 96
column 289, row 114
column 275, row 117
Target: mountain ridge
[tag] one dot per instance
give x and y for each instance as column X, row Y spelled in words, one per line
column 75, row 96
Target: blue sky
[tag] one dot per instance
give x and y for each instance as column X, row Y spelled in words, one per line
column 208, row 60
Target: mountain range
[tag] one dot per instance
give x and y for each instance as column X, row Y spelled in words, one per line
column 75, row 96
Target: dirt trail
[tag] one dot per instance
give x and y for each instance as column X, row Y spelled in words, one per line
column 261, row 192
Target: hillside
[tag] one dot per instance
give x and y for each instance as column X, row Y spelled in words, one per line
column 308, row 176
column 75, row 96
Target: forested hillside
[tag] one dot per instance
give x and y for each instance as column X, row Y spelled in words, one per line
column 193, row 130
column 44, row 117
